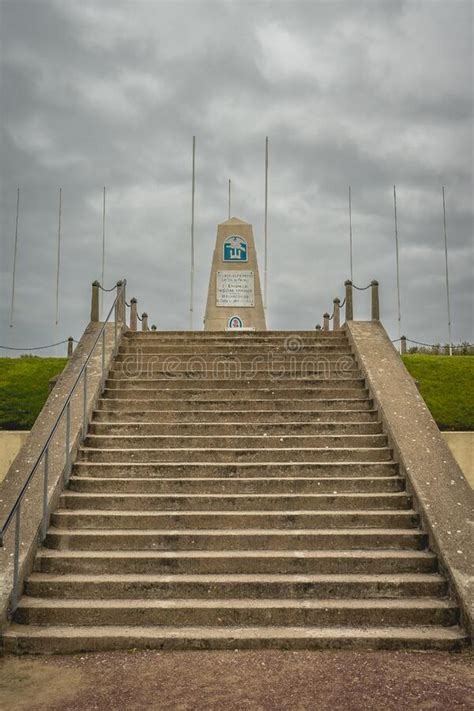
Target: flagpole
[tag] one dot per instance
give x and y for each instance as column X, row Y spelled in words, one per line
column 230, row 195
column 12, row 305
column 58, row 260
column 193, row 184
column 350, row 231
column 397, row 260
column 102, row 276
column 447, row 274
column 265, row 287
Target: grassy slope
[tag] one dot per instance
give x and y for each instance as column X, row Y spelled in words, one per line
column 447, row 385
column 24, row 389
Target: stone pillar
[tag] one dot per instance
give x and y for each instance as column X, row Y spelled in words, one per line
column 375, row 300
column 95, row 301
column 318, row 327
column 133, row 314
column 144, row 321
column 153, row 328
column 403, row 345
column 336, row 324
column 349, row 308
column 120, row 303
column 70, row 346
column 326, row 322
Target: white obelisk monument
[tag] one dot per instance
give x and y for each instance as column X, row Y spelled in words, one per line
column 234, row 300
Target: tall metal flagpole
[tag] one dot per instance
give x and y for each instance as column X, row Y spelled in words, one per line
column 230, row 196
column 193, row 183
column 398, row 261
column 266, row 226
column 350, row 231
column 12, row 305
column 102, row 274
column 58, row 261
column 447, row 274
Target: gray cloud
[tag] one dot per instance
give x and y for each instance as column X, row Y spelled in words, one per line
column 367, row 93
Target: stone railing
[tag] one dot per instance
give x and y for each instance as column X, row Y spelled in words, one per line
column 348, row 303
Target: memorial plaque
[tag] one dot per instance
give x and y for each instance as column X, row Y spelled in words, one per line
column 235, row 288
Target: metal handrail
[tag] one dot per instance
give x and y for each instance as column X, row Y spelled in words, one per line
column 66, row 408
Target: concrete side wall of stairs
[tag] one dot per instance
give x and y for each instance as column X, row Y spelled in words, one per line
column 18, row 472
column 444, row 498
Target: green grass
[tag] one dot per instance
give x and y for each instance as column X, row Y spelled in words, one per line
column 447, row 386
column 24, row 389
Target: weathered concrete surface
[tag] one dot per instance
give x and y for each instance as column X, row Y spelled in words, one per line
column 461, row 445
column 10, row 444
column 444, row 497
column 21, row 466
column 217, row 317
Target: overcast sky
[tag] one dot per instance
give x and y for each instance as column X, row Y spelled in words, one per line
column 370, row 94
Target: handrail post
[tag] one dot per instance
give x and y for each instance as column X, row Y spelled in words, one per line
column 95, row 301
column 326, row 321
column 336, row 324
column 403, row 345
column 44, row 523
column 133, row 314
column 103, row 360
column 153, row 328
column 349, row 307
column 84, row 405
column 70, row 346
column 318, row 327
column 67, row 467
column 144, row 321
column 375, row 300
column 16, row 558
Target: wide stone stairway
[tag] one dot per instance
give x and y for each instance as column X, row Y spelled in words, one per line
column 235, row 491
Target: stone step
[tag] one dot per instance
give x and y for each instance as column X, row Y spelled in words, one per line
column 60, row 640
column 74, row 500
column 227, row 429
column 233, row 471
column 248, row 485
column 215, row 369
column 285, row 519
column 230, row 417
column 257, row 361
column 232, row 335
column 144, row 351
column 235, row 441
column 253, row 586
column 206, row 384
column 240, row 612
column 236, row 539
column 281, row 562
column 201, row 406
column 204, row 395
column 215, row 456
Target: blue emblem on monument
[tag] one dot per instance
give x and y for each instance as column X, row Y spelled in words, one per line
column 235, row 249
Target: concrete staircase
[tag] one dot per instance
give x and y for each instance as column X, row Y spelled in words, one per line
column 235, row 491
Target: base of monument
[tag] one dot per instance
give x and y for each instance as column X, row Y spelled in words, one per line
column 241, row 328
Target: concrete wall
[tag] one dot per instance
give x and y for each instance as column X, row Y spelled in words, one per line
column 32, row 505
column 10, row 444
column 461, row 445
column 441, row 493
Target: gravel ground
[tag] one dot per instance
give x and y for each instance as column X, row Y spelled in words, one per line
column 259, row 681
